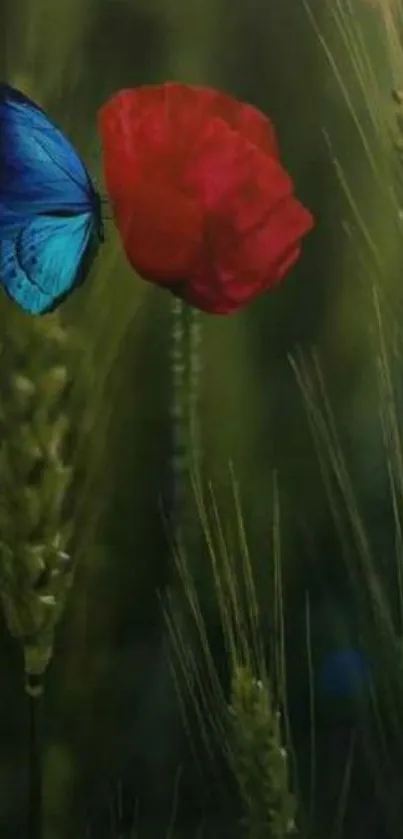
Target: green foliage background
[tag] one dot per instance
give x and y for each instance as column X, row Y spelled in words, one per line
column 110, row 704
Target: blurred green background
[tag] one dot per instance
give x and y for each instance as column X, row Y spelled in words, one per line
column 110, row 704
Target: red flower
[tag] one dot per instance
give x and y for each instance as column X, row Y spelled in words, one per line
column 202, row 202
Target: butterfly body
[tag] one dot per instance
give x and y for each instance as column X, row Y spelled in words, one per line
column 50, row 212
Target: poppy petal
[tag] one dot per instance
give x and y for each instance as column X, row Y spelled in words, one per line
column 200, row 197
column 254, row 221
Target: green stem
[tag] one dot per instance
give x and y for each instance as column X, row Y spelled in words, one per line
column 34, row 770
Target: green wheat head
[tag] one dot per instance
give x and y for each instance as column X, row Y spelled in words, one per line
column 246, row 725
column 260, row 760
column 36, row 474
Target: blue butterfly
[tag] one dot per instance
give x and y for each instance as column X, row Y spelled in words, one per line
column 50, row 212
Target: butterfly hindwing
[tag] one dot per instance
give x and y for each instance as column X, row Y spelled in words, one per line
column 43, row 262
column 16, row 283
column 40, row 171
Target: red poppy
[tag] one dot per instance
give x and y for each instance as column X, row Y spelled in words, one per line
column 202, row 202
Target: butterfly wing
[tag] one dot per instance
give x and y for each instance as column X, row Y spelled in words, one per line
column 46, row 258
column 40, row 171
